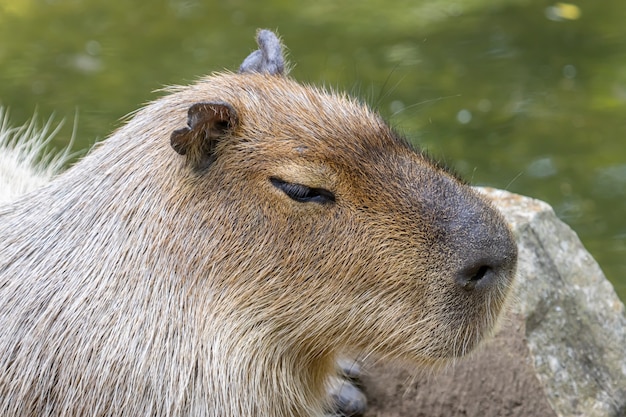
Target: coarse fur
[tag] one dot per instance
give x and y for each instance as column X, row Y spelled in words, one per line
column 142, row 282
column 24, row 165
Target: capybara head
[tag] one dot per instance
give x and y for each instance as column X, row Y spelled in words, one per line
column 223, row 247
column 332, row 228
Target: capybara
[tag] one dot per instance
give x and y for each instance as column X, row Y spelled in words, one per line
column 220, row 251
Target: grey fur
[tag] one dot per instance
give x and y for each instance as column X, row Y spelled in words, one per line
column 268, row 58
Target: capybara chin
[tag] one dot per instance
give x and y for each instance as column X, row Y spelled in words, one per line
column 216, row 254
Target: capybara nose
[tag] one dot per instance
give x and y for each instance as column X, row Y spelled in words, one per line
column 479, row 274
column 489, row 257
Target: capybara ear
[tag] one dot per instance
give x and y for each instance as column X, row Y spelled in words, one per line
column 206, row 124
column 268, row 59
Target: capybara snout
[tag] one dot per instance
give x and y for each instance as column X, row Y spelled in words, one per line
column 479, row 243
column 489, row 253
column 220, row 251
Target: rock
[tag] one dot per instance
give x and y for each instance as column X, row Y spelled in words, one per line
column 561, row 350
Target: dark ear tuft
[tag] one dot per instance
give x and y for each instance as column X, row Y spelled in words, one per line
column 207, row 123
column 268, row 59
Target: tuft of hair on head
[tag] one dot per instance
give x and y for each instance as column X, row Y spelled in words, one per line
column 26, row 163
column 268, row 59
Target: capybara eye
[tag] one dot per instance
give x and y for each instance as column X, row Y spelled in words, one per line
column 302, row 193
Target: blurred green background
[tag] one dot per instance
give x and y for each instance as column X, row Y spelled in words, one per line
column 528, row 96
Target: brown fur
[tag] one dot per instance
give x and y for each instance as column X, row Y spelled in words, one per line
column 136, row 284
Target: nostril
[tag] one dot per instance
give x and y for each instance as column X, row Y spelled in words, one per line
column 469, row 278
column 480, row 273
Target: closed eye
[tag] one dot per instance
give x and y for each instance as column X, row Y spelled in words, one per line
column 302, row 193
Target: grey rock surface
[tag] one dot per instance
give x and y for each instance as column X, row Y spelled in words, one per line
column 561, row 349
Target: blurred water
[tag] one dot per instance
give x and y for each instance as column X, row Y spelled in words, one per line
column 524, row 95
